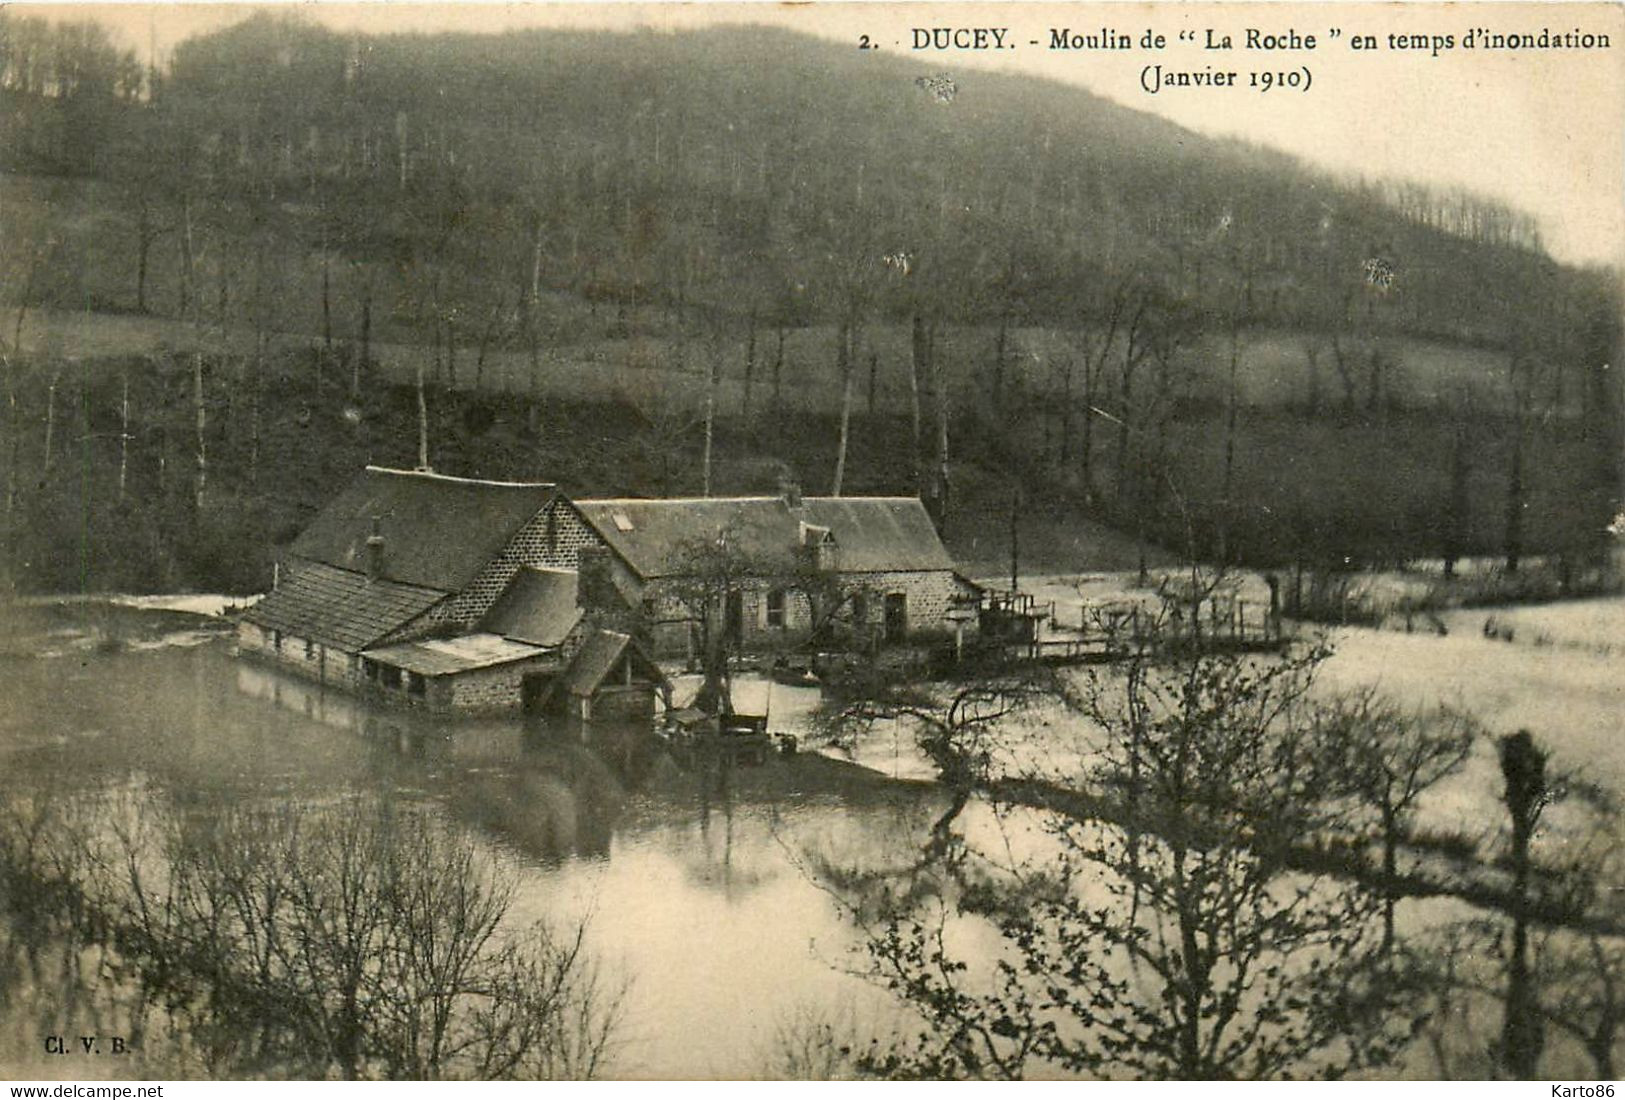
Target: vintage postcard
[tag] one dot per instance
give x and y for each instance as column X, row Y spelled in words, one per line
column 826, row 541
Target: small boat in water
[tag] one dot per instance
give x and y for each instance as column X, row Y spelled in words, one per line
column 793, row 672
column 743, row 738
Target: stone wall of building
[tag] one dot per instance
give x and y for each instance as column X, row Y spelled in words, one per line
column 552, row 539
column 861, row 618
column 499, row 689
column 300, row 656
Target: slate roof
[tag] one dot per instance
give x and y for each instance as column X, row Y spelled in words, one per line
column 538, row 606
column 874, row 534
column 447, row 656
column 598, row 656
column 338, row 608
column 439, row 531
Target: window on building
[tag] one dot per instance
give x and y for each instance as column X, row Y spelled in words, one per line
column 390, row 676
column 369, row 669
column 775, row 608
column 276, row 640
column 310, row 650
column 416, row 684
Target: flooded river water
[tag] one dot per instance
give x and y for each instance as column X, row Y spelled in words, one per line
column 693, row 876
column 699, row 884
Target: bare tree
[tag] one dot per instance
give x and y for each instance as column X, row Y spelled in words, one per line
column 1155, row 932
column 1386, row 759
column 363, row 941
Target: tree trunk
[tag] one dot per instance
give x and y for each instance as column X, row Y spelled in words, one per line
column 1232, row 400
column 1390, row 869
column 1458, row 520
column 400, row 141
column 778, row 380
column 1345, row 374
column 1312, row 388
column 1522, row 1030
column 1513, row 545
column 939, row 383
column 423, row 421
column 254, row 408
column 186, row 256
column 124, row 436
column 1192, row 991
column 363, row 362
column 710, row 421
column 998, row 362
column 327, row 305
column 222, row 299
column 451, row 350
column 485, row 343
column 1015, row 540
column 202, row 450
column 1086, row 441
column 536, row 266
column 1120, row 485
column 750, row 366
column 14, row 426
column 843, row 358
column 1066, row 414
column 143, row 246
column 533, row 338
column 916, row 366
column 1377, row 368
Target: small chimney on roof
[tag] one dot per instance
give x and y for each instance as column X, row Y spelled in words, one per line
column 790, row 492
column 375, row 552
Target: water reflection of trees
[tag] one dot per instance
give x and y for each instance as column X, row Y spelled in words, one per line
column 1213, row 894
column 357, row 939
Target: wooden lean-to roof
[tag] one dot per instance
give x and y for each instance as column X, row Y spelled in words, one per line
column 600, row 655
column 449, row 656
column 539, row 606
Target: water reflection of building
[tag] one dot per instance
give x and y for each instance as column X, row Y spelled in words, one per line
column 304, row 697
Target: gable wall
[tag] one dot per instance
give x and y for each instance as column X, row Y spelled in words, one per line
column 551, row 539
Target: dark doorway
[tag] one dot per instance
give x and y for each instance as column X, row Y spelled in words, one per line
column 896, row 617
column 533, row 692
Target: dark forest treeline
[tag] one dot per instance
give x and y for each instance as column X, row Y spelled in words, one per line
column 687, row 169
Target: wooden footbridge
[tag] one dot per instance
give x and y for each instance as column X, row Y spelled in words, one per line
column 1117, row 631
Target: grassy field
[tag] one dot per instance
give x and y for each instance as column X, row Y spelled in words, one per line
column 85, row 232
column 650, row 361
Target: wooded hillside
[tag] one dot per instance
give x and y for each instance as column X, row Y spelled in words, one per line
column 1028, row 284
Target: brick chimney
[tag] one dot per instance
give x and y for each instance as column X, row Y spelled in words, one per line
column 790, row 492
column 375, row 552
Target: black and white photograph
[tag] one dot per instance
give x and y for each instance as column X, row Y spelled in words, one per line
column 813, row 542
